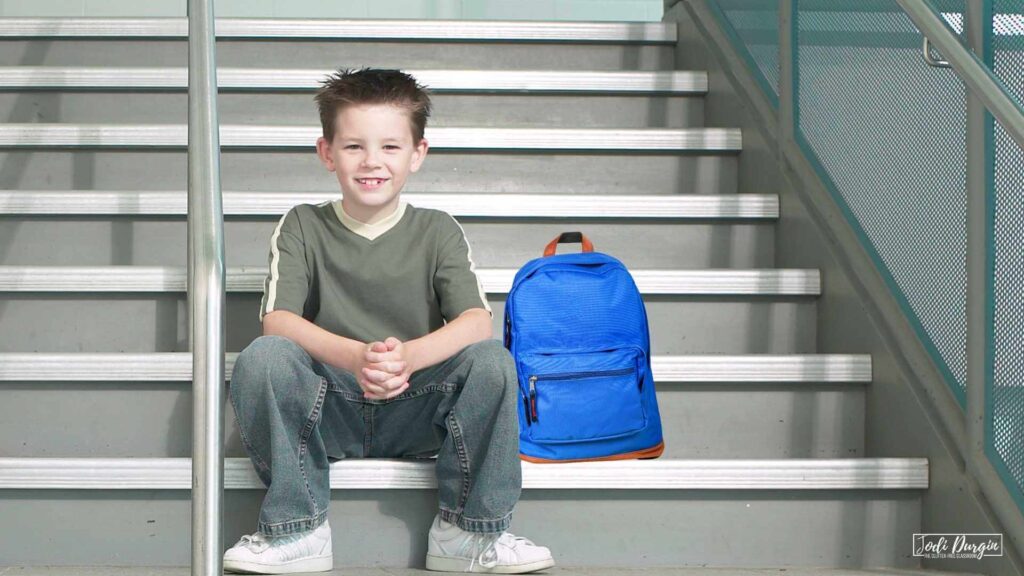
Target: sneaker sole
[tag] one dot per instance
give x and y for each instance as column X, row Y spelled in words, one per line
column 322, row 564
column 446, row 564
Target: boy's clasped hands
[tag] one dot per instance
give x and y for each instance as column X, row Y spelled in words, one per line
column 384, row 369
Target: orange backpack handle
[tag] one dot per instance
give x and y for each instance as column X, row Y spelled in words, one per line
column 568, row 238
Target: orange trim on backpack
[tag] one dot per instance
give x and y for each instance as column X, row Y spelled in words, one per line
column 652, row 452
column 552, row 246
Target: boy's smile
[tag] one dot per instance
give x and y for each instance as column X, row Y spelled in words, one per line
column 372, row 155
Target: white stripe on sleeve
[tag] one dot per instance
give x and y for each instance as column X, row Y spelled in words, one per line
column 270, row 296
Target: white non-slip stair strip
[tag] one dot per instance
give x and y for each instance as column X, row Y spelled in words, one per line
column 235, row 136
column 386, row 473
column 715, row 282
column 440, row 81
column 428, row 30
column 177, row 367
column 700, row 206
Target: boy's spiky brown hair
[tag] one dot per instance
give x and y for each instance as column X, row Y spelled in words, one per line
column 372, row 86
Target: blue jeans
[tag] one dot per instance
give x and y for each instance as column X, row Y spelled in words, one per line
column 296, row 415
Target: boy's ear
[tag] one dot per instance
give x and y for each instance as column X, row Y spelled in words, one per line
column 419, row 154
column 323, row 151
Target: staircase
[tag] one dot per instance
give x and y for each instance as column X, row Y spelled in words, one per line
column 538, row 128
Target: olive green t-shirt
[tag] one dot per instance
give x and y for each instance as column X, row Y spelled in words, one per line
column 404, row 276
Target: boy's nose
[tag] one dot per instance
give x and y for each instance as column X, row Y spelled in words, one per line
column 370, row 160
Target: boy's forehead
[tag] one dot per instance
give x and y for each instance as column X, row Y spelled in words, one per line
column 382, row 120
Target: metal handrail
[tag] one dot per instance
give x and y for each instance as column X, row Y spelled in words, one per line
column 978, row 78
column 206, row 284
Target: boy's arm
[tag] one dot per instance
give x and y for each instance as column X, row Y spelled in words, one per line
column 321, row 344
column 473, row 325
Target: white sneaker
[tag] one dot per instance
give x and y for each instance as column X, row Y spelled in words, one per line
column 452, row 549
column 259, row 554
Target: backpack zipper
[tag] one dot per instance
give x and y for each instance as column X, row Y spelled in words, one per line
column 531, row 412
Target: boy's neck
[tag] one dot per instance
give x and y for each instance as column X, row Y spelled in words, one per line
column 370, row 215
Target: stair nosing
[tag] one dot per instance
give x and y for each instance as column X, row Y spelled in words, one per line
column 386, row 473
column 679, row 82
column 175, row 136
column 693, row 368
column 337, row 29
column 250, row 279
column 697, row 206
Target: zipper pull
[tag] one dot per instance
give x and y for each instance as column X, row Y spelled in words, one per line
column 533, row 398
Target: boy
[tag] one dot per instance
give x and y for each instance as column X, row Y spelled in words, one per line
column 377, row 343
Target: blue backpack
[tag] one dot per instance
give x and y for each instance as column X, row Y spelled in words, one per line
column 577, row 329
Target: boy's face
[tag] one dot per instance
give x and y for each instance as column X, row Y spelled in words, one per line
column 372, row 154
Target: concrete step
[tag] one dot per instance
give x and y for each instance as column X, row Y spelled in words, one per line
column 445, row 171
column 809, row 406
column 159, row 323
column 791, row 419
column 418, row 474
column 156, row 136
column 348, row 53
column 862, row 513
column 740, row 207
column 558, row 570
column 566, row 161
column 177, row 366
column 499, row 242
column 346, row 43
column 786, row 282
column 529, row 109
column 505, row 230
column 520, row 82
column 338, row 29
column 513, row 98
column 726, row 311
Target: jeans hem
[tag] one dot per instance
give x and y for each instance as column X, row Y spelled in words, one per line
column 476, row 524
column 292, row 526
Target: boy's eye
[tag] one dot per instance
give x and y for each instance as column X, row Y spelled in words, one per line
column 391, row 147
column 352, row 147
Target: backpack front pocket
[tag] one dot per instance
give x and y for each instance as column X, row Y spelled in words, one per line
column 582, row 396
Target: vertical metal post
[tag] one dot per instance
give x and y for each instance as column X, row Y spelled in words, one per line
column 979, row 143
column 787, row 73
column 205, row 293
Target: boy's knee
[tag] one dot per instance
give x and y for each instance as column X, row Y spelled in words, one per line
column 492, row 353
column 499, row 364
column 261, row 355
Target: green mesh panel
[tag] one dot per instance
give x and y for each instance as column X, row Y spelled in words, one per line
column 888, row 133
column 753, row 25
column 1006, row 424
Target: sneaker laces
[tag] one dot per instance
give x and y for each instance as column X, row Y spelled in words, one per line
column 488, row 555
column 256, row 542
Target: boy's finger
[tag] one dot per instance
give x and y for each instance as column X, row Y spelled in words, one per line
column 389, row 366
column 393, row 383
column 371, row 388
column 399, row 391
column 378, row 357
column 391, row 342
column 376, row 376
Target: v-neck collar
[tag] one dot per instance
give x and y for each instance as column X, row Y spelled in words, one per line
column 369, row 231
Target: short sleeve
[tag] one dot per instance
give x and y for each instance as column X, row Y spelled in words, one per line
column 286, row 286
column 456, row 283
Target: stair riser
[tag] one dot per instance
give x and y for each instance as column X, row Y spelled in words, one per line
column 371, row 527
column 443, row 171
column 162, row 241
column 804, row 420
column 342, row 54
column 159, row 323
column 535, row 111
